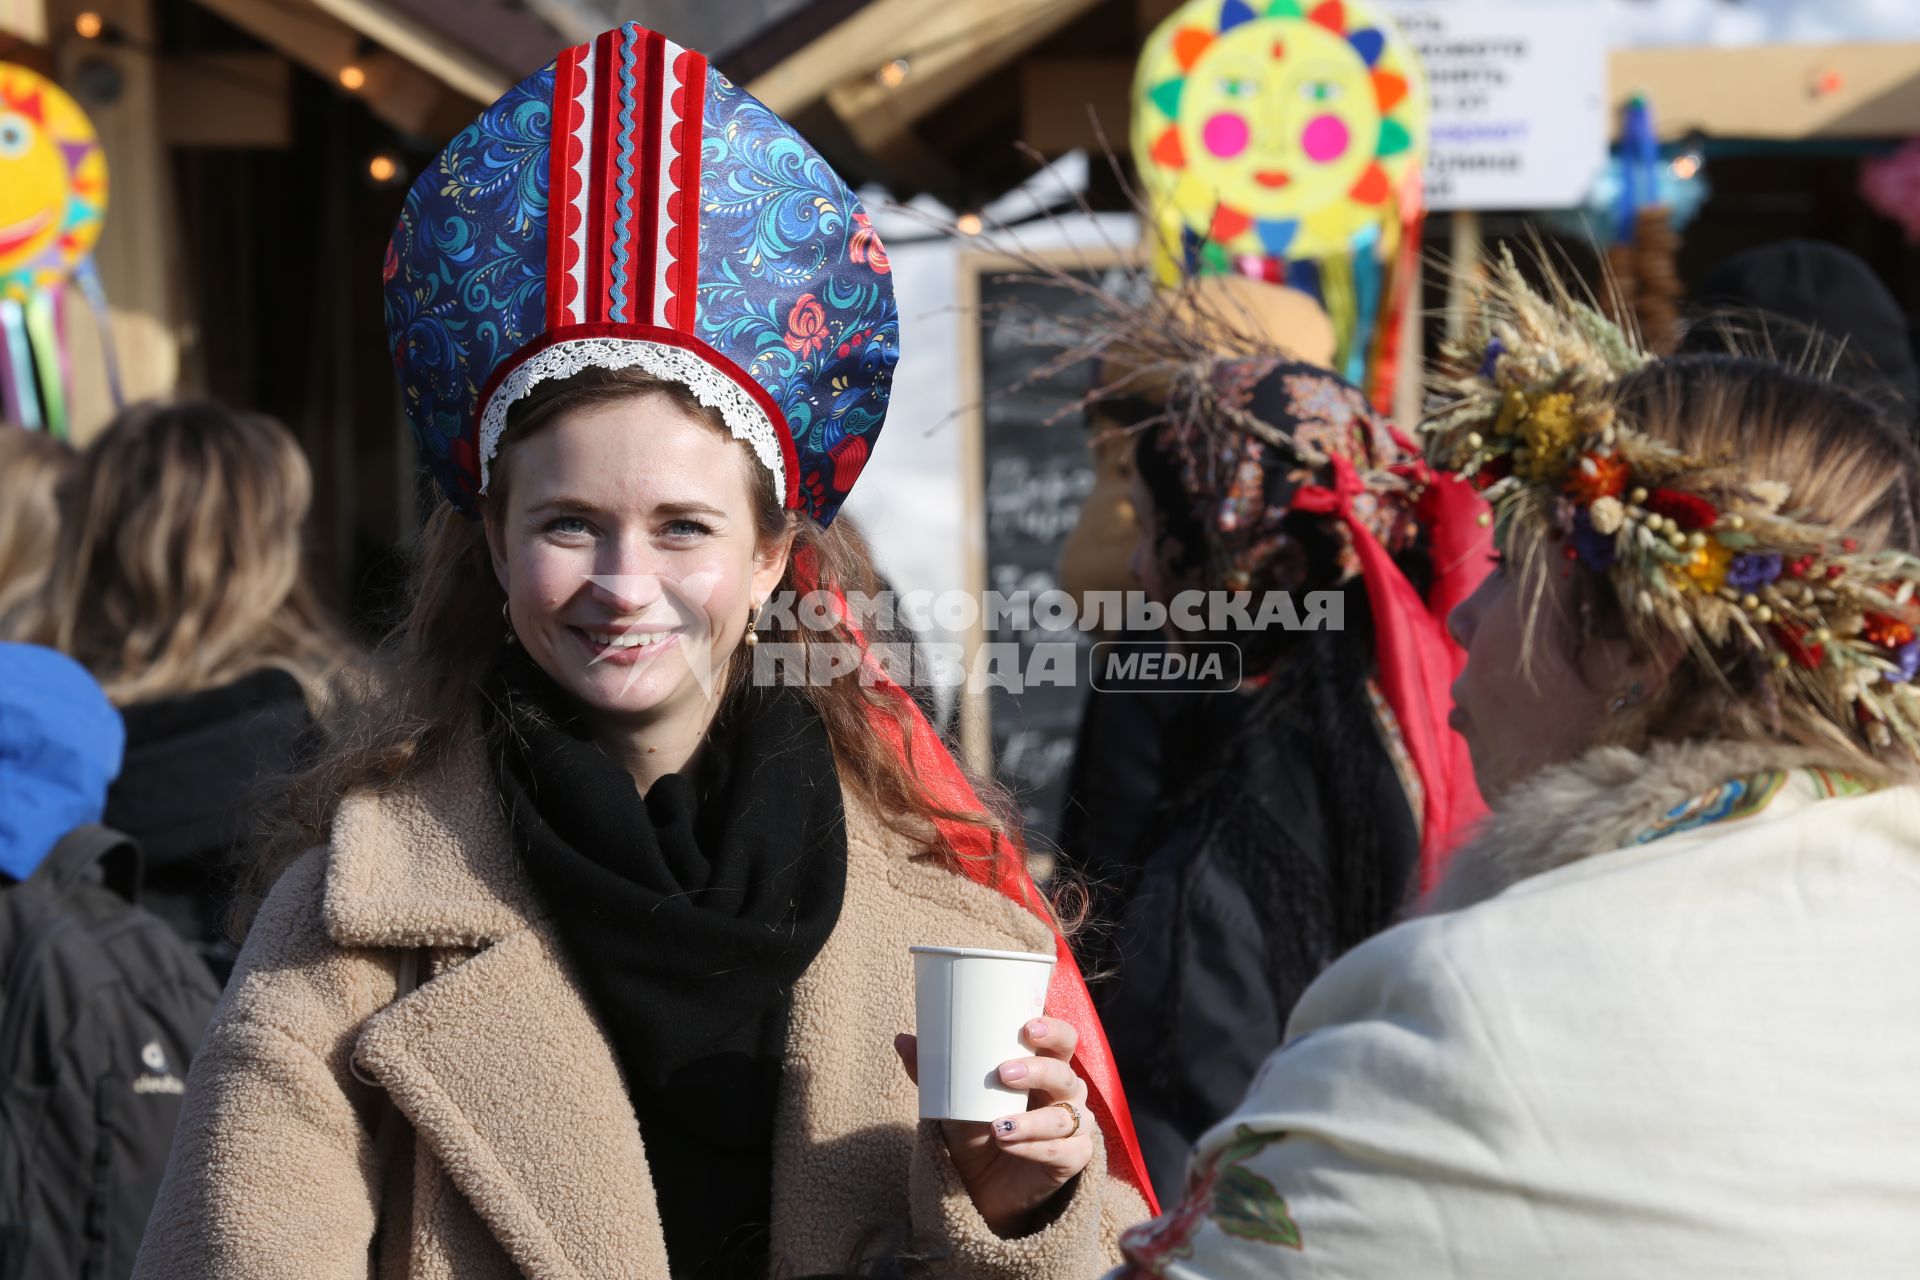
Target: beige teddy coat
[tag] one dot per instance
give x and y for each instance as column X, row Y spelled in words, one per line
column 520, row 1153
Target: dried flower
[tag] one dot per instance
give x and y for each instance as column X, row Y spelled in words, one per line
column 1750, row 572
column 1595, row 547
column 1599, row 475
column 1906, row 661
column 1490, row 365
column 1800, row 649
column 1550, row 433
column 1607, row 515
column 1886, row 631
column 1706, row 567
column 1688, row 510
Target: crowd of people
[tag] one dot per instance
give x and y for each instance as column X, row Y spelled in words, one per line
column 1553, row 917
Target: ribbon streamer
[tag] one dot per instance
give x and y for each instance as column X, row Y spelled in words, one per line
column 88, row 278
column 43, row 338
column 1418, row 658
column 16, row 363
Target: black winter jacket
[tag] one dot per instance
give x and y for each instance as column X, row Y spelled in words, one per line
column 102, row 1007
column 1242, row 899
column 189, row 792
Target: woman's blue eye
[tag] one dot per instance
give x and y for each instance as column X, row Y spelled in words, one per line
column 567, row 524
column 686, row 529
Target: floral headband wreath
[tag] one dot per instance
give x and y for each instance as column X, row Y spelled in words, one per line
column 1693, row 548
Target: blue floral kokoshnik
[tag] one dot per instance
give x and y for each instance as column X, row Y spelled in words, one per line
column 628, row 207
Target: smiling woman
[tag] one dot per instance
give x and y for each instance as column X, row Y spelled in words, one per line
column 658, row 910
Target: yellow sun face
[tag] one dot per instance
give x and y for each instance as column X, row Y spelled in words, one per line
column 1278, row 129
column 53, row 183
column 30, row 165
column 1278, row 137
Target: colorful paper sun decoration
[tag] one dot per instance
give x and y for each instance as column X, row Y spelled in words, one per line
column 1284, row 139
column 53, row 198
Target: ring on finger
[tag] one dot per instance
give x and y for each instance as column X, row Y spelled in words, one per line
column 1075, row 1113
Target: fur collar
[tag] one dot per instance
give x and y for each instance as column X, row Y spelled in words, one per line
column 1596, row 804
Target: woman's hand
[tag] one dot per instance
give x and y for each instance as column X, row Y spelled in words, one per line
column 1014, row 1165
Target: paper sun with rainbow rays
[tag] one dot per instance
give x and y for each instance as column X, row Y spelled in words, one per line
column 1283, row 140
column 1271, row 129
column 53, row 199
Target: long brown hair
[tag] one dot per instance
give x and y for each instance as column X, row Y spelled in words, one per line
column 180, row 565
column 427, row 681
column 35, row 468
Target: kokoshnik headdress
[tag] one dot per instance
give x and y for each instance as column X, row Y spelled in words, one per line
column 1693, row 547
column 628, row 207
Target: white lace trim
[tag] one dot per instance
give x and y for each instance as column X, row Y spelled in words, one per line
column 743, row 415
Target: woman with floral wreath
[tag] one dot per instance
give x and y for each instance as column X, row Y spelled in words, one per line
column 1655, row 1020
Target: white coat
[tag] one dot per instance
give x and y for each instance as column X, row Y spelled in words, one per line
column 1656, row 1024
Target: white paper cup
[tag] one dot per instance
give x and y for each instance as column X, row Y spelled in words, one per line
column 969, row 1008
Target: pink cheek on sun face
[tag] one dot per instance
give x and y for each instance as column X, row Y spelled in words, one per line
column 1325, row 139
column 1226, row 135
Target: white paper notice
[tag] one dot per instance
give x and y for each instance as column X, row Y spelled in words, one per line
column 1520, row 117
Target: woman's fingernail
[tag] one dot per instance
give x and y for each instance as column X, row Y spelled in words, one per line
column 1013, row 1071
column 1006, row 1127
column 1037, row 1029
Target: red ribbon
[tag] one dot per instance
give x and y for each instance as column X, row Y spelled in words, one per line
column 989, row 857
column 1418, row 658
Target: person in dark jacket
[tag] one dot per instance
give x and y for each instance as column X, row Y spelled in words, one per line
column 101, row 1005
column 179, row 582
column 1116, row 782
column 1812, row 304
column 1297, row 804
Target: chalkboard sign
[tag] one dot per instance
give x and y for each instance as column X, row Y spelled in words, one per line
column 1035, row 474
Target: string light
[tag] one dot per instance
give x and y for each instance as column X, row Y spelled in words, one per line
column 968, row 224
column 353, row 77
column 1685, row 166
column 383, row 169
column 894, row 74
column 89, row 25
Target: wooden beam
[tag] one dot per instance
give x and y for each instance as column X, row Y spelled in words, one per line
column 396, row 91
column 1783, row 92
column 24, row 20
column 1149, row 14
column 459, row 70
column 1780, row 91
column 226, row 100
column 946, row 45
column 946, row 48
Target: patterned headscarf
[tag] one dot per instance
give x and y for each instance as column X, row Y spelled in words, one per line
column 1288, row 481
column 1225, row 501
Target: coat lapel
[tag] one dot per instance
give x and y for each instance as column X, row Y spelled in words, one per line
column 496, row 1060
column 504, row 1073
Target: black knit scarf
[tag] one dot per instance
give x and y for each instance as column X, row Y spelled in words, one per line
column 688, row 915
